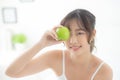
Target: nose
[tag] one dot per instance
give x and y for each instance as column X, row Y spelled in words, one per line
column 73, row 39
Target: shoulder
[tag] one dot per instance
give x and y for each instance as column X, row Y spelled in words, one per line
column 53, row 56
column 53, row 53
column 55, row 60
column 105, row 73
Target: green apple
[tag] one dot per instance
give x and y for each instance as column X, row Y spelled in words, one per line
column 63, row 33
column 19, row 38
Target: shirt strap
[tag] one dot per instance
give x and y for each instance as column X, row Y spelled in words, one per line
column 97, row 70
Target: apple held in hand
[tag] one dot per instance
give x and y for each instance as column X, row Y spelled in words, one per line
column 63, row 33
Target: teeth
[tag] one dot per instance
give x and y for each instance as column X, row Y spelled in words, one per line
column 75, row 46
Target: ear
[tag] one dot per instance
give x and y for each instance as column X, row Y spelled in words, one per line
column 93, row 35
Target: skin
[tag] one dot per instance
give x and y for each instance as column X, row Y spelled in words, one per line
column 78, row 58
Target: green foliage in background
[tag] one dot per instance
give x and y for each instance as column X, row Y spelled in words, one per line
column 19, row 38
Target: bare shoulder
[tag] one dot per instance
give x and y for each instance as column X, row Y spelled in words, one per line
column 53, row 56
column 105, row 73
column 55, row 60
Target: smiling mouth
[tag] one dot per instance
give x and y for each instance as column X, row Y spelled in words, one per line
column 75, row 48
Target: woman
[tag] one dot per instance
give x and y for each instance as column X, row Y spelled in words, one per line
column 76, row 62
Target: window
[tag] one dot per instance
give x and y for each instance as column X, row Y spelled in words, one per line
column 9, row 15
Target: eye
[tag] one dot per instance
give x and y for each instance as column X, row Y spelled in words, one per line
column 81, row 33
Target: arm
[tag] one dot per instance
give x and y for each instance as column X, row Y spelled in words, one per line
column 26, row 65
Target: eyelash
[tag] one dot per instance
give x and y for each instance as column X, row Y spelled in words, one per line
column 80, row 33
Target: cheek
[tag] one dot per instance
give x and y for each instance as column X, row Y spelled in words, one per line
column 83, row 40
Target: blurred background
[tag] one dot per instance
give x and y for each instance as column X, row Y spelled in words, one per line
column 22, row 22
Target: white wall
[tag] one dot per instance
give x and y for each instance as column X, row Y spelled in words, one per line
column 37, row 16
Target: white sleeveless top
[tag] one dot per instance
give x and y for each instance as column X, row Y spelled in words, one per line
column 63, row 77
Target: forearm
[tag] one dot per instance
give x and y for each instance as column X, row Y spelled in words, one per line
column 19, row 64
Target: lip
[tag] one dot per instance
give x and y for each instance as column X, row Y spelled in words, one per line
column 75, row 48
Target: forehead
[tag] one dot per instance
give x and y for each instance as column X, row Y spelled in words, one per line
column 75, row 24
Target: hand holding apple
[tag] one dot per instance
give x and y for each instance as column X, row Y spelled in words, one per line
column 63, row 33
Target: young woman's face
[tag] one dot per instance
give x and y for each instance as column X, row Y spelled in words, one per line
column 78, row 41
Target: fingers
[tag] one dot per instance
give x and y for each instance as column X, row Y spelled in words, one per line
column 54, row 31
column 51, row 38
column 53, row 35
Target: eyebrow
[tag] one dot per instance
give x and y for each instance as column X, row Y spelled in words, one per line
column 77, row 30
column 80, row 29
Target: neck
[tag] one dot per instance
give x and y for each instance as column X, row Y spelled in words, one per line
column 83, row 59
